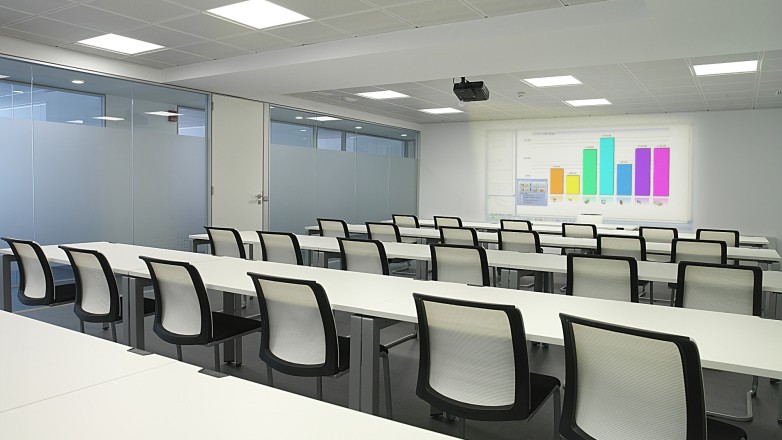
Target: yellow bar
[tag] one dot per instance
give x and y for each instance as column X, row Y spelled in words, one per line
column 557, row 180
column 573, row 184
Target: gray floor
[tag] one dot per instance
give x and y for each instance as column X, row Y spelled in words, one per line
column 724, row 391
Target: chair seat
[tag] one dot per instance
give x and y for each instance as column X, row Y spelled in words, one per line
column 409, row 240
column 718, row 430
column 344, row 353
column 541, row 387
column 225, row 326
column 64, row 293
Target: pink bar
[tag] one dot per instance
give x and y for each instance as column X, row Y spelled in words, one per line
column 662, row 171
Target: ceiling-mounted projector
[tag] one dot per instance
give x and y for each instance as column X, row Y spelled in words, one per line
column 471, row 91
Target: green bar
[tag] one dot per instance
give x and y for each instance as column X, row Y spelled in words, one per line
column 590, row 172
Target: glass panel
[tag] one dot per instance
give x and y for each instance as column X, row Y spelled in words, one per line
column 403, row 185
column 371, row 188
column 291, row 188
column 329, row 139
column 336, row 185
column 192, row 122
column 291, row 135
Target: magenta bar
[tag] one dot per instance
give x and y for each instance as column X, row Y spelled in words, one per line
column 662, row 171
column 643, row 171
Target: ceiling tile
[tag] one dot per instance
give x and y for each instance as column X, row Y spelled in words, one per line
column 321, row 9
column 10, row 16
column 435, row 12
column 257, row 42
column 95, row 19
column 36, row 6
column 685, row 97
column 771, row 64
column 162, row 36
column 175, row 57
column 202, row 5
column 725, row 58
column 368, row 23
column 146, row 10
column 54, row 29
column 307, row 33
column 93, row 51
column 31, row 37
column 772, row 54
column 667, row 83
column 494, row 8
column 656, row 65
column 206, row 26
column 148, row 63
column 213, row 50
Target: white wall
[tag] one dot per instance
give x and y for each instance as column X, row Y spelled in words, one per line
column 736, row 162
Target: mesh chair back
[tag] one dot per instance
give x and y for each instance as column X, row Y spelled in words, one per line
column 97, row 295
column 458, row 235
column 609, row 368
column 384, row 232
column 604, row 277
column 516, row 225
column 730, row 237
column 658, row 235
column 473, row 358
column 460, row 264
column 622, row 246
column 405, row 221
column 333, row 228
column 366, row 256
column 298, row 334
column 440, row 221
column 702, row 251
column 225, row 242
column 519, row 241
column 280, row 247
column 579, row 230
column 182, row 314
column 36, row 282
column 720, row 288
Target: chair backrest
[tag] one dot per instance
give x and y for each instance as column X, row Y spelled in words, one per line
column 590, row 218
column 383, row 232
column 720, row 288
column 441, row 220
column 622, row 246
column 702, row 251
column 607, row 368
column 515, row 225
column 460, row 264
column 182, row 314
column 36, row 282
column 298, row 334
column 473, row 358
column 604, row 277
column 658, row 235
column 225, row 242
column 280, row 247
column 405, row 220
column 519, row 241
column 579, row 230
column 368, row 256
column 97, row 294
column 458, row 235
column 333, row 228
column 730, row 237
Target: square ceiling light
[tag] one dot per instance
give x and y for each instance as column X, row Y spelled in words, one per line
column 120, row 44
column 383, row 94
column 552, row 81
column 440, row 111
column 257, row 14
column 587, row 102
column 726, row 68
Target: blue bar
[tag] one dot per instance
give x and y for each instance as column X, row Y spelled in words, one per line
column 624, row 179
column 606, row 166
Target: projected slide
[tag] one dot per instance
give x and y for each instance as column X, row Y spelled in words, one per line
column 639, row 173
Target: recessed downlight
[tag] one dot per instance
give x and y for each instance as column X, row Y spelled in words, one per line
column 403, row 135
column 78, row 81
column 299, row 117
column 359, row 127
column 257, row 14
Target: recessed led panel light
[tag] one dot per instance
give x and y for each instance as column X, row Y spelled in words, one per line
column 78, row 81
column 258, row 14
column 118, row 43
column 303, row 129
column 359, row 128
column 552, row 81
column 403, row 135
column 324, row 118
column 108, row 118
column 299, row 117
column 76, row 121
column 163, row 113
column 725, row 68
column 587, row 102
column 3, row 76
column 383, row 94
column 440, row 111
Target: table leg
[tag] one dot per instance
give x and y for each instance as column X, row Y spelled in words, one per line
column 232, row 351
column 364, row 363
column 133, row 310
column 5, row 285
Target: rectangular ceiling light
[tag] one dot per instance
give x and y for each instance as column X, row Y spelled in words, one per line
column 3, row 76
column 440, row 111
column 552, row 81
column 108, row 118
column 76, row 121
column 257, row 14
column 587, row 102
column 324, row 118
column 725, row 68
column 163, row 113
column 118, row 43
column 383, row 94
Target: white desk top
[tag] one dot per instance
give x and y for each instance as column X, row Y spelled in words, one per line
column 175, row 401
column 42, row 361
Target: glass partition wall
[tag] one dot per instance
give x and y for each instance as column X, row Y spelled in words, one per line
column 330, row 167
column 92, row 158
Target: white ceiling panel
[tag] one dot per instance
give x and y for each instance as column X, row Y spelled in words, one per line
column 95, row 19
column 162, row 36
column 725, row 58
column 10, row 16
column 257, row 42
column 31, row 37
column 149, row 63
column 667, row 83
column 308, row 33
column 36, row 6
column 501, row 7
column 202, row 5
column 213, row 50
column 93, row 51
column 145, row 10
column 321, row 9
column 726, row 80
column 54, row 29
column 173, row 56
column 368, row 23
column 206, row 26
column 435, row 12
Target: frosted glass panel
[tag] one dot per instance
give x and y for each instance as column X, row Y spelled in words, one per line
column 403, row 186
column 336, row 185
column 82, row 183
column 371, row 188
column 16, row 179
column 291, row 188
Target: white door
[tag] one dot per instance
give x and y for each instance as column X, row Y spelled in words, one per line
column 237, row 163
